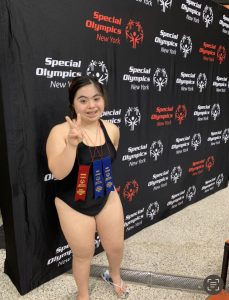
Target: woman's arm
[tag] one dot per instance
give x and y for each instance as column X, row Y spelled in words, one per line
column 61, row 147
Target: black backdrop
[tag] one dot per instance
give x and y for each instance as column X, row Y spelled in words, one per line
column 165, row 65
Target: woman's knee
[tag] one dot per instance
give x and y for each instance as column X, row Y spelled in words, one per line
column 114, row 249
column 82, row 248
column 82, row 256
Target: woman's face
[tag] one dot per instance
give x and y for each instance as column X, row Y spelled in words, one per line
column 89, row 103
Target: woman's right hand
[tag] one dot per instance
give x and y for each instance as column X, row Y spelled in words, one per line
column 75, row 135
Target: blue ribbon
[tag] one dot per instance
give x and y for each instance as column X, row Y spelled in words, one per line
column 98, row 179
column 107, row 173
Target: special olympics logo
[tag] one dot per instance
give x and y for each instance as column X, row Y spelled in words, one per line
column 225, row 135
column 130, row 190
column 181, row 113
column 221, row 54
column 152, row 210
column 98, row 70
column 160, row 78
column 196, row 140
column 219, row 180
column 134, row 33
column 132, row 117
column 166, row 4
column 210, row 163
column 215, row 111
column 201, row 81
column 208, row 15
column 186, row 45
column 191, row 192
column 176, row 174
column 156, row 149
column 97, row 242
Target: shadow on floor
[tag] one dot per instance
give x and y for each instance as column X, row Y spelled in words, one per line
column 2, row 238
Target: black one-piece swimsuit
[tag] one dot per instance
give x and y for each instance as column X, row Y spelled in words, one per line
column 65, row 188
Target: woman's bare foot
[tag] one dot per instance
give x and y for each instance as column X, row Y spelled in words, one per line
column 121, row 290
column 119, row 286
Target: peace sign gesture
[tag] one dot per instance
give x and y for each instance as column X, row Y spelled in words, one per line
column 74, row 136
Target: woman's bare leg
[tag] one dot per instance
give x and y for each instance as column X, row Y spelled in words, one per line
column 79, row 231
column 110, row 227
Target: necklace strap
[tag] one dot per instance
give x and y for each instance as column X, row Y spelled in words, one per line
column 95, row 147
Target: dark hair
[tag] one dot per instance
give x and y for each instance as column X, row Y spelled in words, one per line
column 79, row 82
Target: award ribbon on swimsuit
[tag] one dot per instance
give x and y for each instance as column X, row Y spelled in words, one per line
column 98, row 179
column 82, row 180
column 107, row 172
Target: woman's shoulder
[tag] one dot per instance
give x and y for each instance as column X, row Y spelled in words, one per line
column 113, row 132
column 60, row 129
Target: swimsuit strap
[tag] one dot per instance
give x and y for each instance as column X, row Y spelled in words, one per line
column 107, row 138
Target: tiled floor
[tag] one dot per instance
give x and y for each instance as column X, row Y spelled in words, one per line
column 189, row 243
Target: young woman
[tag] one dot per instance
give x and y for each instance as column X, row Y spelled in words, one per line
column 80, row 154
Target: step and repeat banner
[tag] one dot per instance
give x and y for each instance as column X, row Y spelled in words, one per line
column 165, row 65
